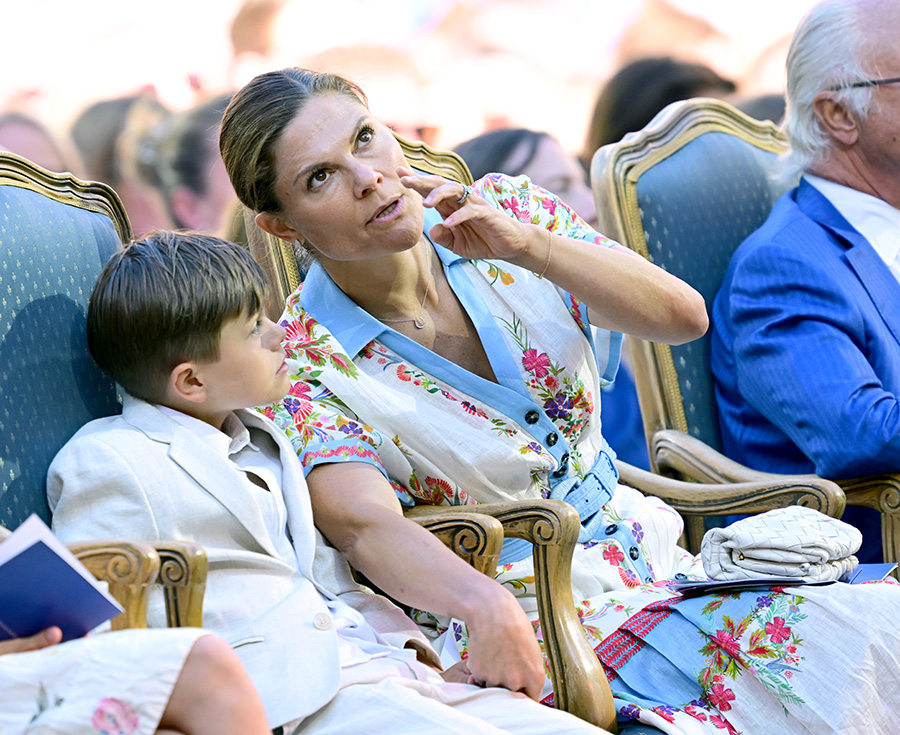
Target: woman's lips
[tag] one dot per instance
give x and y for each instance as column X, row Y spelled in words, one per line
column 388, row 213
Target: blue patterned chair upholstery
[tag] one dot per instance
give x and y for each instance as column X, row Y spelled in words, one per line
column 684, row 193
column 56, row 233
column 55, row 236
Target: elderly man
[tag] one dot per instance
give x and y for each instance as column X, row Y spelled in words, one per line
column 806, row 335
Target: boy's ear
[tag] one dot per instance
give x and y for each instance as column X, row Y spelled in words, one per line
column 186, row 384
column 275, row 225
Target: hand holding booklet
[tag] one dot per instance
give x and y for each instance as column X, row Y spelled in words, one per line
column 42, row 583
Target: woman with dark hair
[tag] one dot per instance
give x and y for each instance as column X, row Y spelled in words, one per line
column 191, row 176
column 635, row 93
column 448, row 347
column 537, row 155
column 114, row 138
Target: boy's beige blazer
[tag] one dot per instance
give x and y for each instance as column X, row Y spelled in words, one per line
column 143, row 475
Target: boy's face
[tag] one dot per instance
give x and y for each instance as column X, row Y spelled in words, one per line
column 250, row 371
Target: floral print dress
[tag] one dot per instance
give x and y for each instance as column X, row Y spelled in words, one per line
column 107, row 684
column 751, row 662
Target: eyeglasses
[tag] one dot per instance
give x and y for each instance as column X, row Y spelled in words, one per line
column 867, row 83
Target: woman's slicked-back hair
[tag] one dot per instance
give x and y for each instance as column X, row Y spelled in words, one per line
column 255, row 120
column 492, row 152
column 826, row 52
column 164, row 300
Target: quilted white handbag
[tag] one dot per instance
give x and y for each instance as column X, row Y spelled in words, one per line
column 791, row 542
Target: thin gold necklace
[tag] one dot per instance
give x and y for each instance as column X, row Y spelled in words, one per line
column 419, row 319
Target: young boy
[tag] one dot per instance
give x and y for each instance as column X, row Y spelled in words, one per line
column 176, row 319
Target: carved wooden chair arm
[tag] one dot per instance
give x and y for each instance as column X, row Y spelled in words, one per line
column 129, row 567
column 552, row 526
column 764, row 493
column 683, row 454
column 473, row 536
column 719, row 486
column 875, row 491
column 182, row 574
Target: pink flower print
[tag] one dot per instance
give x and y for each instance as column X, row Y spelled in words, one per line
column 720, row 697
column 667, row 712
column 439, row 489
column 629, row 578
column 613, row 554
column 727, row 642
column 401, row 373
column 552, row 382
column 722, row 724
column 536, row 363
column 296, row 333
column 512, row 205
column 114, row 717
column 778, row 631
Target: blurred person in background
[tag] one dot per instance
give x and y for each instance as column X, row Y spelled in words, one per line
column 763, row 107
column 540, row 157
column 195, row 186
column 30, row 138
column 635, row 93
column 114, row 139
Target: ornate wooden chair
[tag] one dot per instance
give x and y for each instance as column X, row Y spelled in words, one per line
column 684, row 193
column 55, row 235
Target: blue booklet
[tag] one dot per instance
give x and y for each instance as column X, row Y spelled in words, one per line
column 42, row 583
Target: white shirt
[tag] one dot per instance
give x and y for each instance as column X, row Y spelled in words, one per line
column 871, row 217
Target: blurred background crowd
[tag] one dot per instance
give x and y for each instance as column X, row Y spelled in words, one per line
column 128, row 93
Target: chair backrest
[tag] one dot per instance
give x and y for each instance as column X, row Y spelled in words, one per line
column 285, row 266
column 684, row 192
column 56, row 232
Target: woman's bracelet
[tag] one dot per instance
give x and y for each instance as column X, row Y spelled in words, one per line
column 549, row 253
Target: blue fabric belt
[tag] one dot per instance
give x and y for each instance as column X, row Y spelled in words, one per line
column 587, row 495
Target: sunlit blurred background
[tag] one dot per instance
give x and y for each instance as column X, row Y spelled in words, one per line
column 461, row 66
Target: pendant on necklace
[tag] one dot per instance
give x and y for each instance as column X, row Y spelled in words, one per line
column 419, row 321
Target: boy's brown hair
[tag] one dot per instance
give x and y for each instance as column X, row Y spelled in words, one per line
column 164, row 300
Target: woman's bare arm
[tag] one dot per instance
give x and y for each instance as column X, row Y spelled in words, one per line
column 357, row 510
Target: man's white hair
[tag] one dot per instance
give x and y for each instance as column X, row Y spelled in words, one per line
column 826, row 52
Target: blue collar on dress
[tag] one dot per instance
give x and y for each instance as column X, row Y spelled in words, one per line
column 350, row 325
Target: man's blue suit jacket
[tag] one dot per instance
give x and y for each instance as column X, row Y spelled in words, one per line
column 805, row 346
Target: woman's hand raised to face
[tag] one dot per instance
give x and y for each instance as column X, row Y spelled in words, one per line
column 472, row 229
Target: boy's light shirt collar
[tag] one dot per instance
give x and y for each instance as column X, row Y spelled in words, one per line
column 233, row 437
column 871, row 217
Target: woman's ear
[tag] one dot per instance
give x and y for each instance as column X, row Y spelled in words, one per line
column 836, row 120
column 186, row 384
column 274, row 224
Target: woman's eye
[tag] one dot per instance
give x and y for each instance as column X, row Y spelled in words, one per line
column 316, row 178
column 366, row 135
